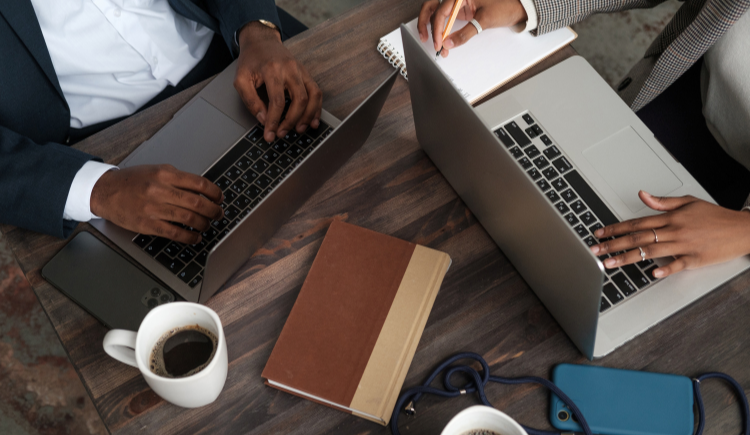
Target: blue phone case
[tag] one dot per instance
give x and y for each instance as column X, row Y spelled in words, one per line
column 623, row 402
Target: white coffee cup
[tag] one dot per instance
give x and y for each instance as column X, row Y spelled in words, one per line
column 135, row 349
column 482, row 417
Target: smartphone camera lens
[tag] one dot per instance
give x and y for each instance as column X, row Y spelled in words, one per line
column 563, row 415
column 152, row 303
column 164, row 298
column 155, row 292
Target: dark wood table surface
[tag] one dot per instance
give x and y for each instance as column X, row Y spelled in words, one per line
column 392, row 187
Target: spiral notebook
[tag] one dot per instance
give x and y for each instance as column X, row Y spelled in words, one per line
column 488, row 61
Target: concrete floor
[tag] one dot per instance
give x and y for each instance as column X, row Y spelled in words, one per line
column 41, row 393
column 613, row 43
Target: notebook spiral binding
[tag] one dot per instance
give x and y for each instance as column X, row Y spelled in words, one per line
column 393, row 57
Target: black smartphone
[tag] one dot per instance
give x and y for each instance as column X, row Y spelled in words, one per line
column 104, row 283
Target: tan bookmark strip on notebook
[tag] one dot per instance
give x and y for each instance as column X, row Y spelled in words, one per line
column 438, row 277
column 395, row 346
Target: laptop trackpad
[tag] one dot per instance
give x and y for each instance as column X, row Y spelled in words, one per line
column 628, row 165
column 191, row 141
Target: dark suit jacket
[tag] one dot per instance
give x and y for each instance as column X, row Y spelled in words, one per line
column 36, row 167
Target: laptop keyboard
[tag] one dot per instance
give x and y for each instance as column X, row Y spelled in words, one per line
column 536, row 152
column 246, row 174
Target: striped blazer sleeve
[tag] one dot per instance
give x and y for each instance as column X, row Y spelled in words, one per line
column 555, row 14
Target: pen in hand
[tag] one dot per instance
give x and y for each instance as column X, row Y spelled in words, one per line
column 454, row 13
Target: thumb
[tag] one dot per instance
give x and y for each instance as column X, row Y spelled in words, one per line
column 664, row 203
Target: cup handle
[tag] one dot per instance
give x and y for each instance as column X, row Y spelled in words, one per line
column 120, row 345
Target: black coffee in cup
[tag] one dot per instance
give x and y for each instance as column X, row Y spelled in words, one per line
column 480, row 432
column 183, row 351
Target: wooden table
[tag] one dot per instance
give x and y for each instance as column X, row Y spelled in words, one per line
column 392, row 187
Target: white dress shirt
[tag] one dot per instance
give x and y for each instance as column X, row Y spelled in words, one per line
column 111, row 57
column 532, row 19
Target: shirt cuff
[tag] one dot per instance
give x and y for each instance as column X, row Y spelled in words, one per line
column 78, row 204
column 533, row 19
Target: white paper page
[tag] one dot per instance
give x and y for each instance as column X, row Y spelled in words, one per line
column 490, row 59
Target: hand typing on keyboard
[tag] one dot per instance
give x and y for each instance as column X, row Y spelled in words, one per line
column 264, row 60
column 145, row 199
column 695, row 232
column 246, row 173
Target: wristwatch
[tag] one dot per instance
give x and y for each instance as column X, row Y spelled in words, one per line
column 266, row 23
column 269, row 24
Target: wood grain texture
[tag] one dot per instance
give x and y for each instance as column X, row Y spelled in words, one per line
column 389, row 186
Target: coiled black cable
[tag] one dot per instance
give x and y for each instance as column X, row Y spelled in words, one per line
column 479, row 381
column 477, row 384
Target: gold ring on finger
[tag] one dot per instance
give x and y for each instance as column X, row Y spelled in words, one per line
column 656, row 238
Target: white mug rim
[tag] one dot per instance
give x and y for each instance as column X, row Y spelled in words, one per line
column 484, row 408
column 146, row 371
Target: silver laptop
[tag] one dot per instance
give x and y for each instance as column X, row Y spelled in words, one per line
column 542, row 166
column 214, row 135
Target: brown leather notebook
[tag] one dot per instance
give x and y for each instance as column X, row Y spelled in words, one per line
column 353, row 331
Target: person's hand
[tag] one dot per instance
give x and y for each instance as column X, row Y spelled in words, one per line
column 264, row 59
column 695, row 232
column 488, row 13
column 145, row 199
